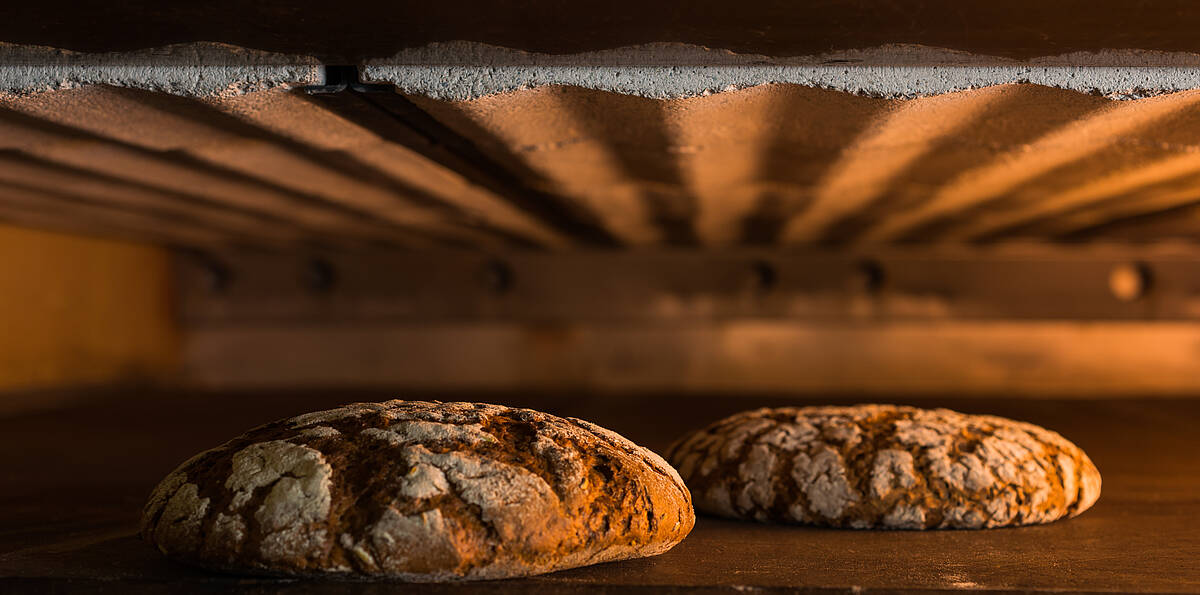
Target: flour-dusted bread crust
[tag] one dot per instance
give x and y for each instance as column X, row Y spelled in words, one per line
column 882, row 466
column 420, row 491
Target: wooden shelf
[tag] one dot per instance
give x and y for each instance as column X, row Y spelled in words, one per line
column 75, row 479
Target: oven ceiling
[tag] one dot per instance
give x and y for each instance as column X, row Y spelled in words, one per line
column 467, row 145
column 350, row 31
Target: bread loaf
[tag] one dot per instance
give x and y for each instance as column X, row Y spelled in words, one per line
column 420, row 491
column 881, row 466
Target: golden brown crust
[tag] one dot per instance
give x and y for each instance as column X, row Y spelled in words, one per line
column 883, row 466
column 420, row 491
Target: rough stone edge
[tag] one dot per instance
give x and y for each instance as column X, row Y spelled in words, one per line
column 461, row 71
column 193, row 69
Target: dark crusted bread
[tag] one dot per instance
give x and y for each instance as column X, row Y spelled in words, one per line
column 420, row 491
column 883, row 466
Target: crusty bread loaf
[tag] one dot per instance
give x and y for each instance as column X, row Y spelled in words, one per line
column 882, row 466
column 420, row 491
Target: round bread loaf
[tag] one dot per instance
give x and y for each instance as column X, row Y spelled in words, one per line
column 420, row 491
column 882, row 466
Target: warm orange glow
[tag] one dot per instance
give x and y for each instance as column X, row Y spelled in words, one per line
column 77, row 310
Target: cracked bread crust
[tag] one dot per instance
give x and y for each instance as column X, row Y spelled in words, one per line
column 419, row 491
column 884, row 466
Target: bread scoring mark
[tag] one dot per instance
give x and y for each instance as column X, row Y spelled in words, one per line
column 614, row 439
column 564, row 464
column 181, row 518
column 519, row 505
column 647, row 456
column 886, row 466
column 822, row 477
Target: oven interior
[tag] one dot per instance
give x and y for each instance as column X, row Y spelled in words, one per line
column 646, row 216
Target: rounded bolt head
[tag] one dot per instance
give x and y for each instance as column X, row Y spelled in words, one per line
column 497, row 276
column 869, row 276
column 1129, row 281
column 214, row 276
column 320, row 276
column 764, row 276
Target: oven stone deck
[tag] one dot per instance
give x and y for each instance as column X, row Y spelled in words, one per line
column 75, row 478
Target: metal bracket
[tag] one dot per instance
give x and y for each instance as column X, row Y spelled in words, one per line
column 690, row 287
column 345, row 77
